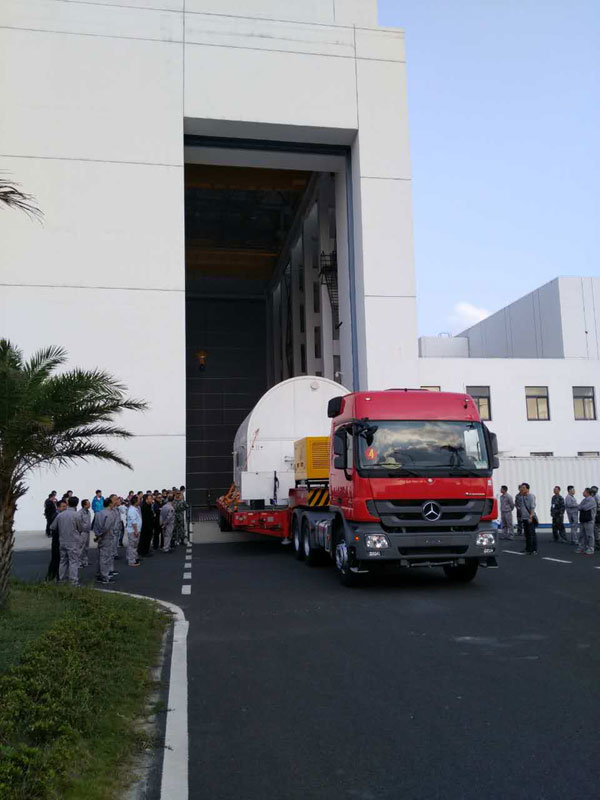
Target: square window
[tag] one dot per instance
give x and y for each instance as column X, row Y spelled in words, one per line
column 537, row 402
column 584, row 402
column 481, row 396
column 432, row 388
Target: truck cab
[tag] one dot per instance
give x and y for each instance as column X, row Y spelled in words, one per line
column 410, row 483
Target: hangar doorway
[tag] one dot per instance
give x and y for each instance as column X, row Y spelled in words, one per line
column 262, row 299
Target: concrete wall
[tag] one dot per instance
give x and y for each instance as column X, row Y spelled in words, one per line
column 517, row 436
column 559, row 320
column 443, row 347
column 95, row 99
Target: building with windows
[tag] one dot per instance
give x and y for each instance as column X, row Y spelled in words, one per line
column 532, row 367
column 226, row 191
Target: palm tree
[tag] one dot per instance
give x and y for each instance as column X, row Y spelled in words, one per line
column 12, row 196
column 49, row 419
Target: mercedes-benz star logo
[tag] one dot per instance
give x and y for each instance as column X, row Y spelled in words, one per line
column 431, row 511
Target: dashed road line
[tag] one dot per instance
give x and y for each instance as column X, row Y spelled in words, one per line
column 187, row 576
column 186, row 588
column 558, row 560
column 514, row 552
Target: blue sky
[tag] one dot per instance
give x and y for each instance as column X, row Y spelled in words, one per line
column 504, row 115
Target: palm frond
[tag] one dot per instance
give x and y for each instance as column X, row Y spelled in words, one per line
column 11, row 357
column 12, row 196
column 83, row 450
column 43, row 363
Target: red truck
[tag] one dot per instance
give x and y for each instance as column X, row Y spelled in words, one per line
column 409, row 485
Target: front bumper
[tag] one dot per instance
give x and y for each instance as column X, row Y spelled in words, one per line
column 422, row 548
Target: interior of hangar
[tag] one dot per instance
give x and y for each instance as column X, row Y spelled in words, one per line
column 267, row 292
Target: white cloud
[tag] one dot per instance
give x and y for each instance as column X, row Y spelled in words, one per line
column 466, row 314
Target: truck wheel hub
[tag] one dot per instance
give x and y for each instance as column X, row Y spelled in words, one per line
column 341, row 556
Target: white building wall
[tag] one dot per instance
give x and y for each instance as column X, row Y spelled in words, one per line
column 507, row 378
column 93, row 128
column 95, row 99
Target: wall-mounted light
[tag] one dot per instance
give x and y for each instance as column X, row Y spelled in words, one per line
column 201, row 358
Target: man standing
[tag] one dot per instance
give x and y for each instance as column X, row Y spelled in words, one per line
column 594, row 491
column 147, row 526
column 103, row 535
column 557, row 513
column 50, row 511
column 52, row 574
column 85, row 524
column 525, row 502
column 587, row 517
column 134, row 527
column 69, row 534
column 98, row 502
column 507, row 505
column 519, row 518
column 167, row 521
column 572, row 508
column 115, row 524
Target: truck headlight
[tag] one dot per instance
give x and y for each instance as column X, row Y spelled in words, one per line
column 376, row 541
column 485, row 539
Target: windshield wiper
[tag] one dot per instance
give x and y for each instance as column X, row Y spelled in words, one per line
column 466, row 471
column 394, row 468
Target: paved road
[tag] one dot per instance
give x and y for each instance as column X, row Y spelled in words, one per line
column 412, row 688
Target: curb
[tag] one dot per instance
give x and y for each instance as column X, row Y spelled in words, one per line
column 174, row 781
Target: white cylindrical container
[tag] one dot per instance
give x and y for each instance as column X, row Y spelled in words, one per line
column 264, row 443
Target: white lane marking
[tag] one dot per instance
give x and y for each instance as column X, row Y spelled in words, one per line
column 514, row 552
column 558, row 560
column 185, row 589
column 175, row 758
column 187, row 576
column 596, row 567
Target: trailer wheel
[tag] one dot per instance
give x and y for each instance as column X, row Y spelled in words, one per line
column 224, row 525
column 342, row 566
column 297, row 546
column 463, row 573
column 312, row 555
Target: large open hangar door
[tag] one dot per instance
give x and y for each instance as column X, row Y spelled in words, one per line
column 266, row 298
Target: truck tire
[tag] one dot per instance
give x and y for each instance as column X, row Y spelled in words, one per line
column 312, row 556
column 224, row 525
column 463, row 573
column 297, row 547
column 342, row 567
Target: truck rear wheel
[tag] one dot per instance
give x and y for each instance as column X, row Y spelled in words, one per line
column 462, row 573
column 297, row 538
column 312, row 555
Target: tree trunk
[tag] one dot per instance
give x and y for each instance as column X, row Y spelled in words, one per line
column 7, row 516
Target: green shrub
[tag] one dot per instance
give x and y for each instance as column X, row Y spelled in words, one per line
column 67, row 709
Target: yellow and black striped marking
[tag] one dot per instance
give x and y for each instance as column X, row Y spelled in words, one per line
column 318, row 497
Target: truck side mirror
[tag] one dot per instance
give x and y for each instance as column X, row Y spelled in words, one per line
column 494, row 443
column 495, row 462
column 334, row 407
column 339, row 462
column 339, row 449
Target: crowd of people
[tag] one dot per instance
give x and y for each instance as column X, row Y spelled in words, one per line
column 583, row 518
column 143, row 522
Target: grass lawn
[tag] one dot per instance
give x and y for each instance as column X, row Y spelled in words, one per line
column 74, row 677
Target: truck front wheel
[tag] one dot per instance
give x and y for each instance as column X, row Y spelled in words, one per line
column 342, row 566
column 462, row 573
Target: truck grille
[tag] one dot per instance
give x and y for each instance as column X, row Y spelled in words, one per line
column 462, row 514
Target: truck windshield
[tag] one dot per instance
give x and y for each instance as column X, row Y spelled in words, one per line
column 422, row 447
